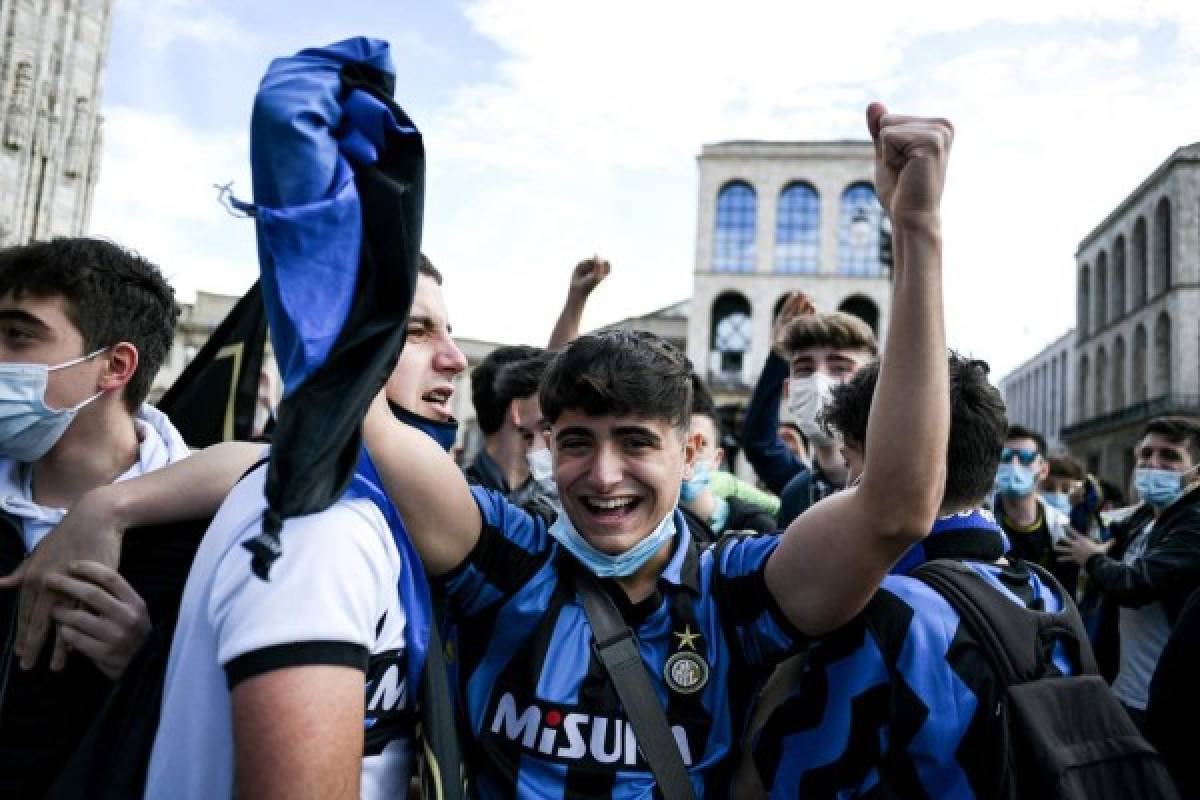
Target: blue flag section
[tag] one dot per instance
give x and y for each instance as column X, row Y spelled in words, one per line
column 339, row 174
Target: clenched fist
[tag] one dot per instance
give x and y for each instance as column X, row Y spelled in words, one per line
column 911, row 154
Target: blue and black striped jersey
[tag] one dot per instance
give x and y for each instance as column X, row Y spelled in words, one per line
column 901, row 702
column 544, row 718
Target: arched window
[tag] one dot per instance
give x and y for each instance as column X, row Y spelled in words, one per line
column 1117, row 392
column 1085, row 302
column 864, row 308
column 733, row 238
column 731, row 334
column 1162, row 246
column 1141, row 385
column 1118, row 306
column 1162, row 355
column 1101, row 290
column 1101, row 381
column 1141, row 283
column 858, row 231
column 1081, row 400
column 798, row 230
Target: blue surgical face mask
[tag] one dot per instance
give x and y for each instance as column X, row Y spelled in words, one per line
column 1014, row 480
column 603, row 565
column 1058, row 500
column 1158, row 487
column 697, row 485
column 28, row 427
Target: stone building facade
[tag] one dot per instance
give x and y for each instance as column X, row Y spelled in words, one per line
column 51, row 82
column 776, row 217
column 1135, row 349
column 1038, row 392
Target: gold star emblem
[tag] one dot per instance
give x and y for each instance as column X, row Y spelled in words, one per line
column 687, row 638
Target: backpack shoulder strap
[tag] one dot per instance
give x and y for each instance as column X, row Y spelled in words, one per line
column 1016, row 640
column 616, row 648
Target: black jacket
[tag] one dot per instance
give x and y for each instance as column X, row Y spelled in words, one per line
column 1169, row 570
column 45, row 715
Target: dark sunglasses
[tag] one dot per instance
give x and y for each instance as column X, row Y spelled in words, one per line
column 1024, row 457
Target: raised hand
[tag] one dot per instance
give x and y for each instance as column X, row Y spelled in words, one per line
column 911, row 154
column 588, row 274
column 796, row 305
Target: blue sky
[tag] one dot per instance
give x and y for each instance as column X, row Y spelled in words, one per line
column 557, row 128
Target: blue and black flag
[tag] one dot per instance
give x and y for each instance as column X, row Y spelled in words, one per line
column 339, row 183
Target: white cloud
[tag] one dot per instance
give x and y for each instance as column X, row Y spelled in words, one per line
column 156, row 195
column 162, row 24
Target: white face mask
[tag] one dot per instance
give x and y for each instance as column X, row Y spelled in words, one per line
column 28, row 427
column 806, row 398
column 541, row 467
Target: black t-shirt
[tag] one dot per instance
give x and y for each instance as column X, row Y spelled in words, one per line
column 1035, row 544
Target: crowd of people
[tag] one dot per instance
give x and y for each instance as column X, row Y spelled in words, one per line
column 911, row 597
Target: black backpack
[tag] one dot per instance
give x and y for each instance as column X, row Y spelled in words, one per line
column 1062, row 736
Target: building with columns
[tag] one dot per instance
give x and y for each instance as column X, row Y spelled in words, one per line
column 1036, row 393
column 51, row 82
column 1135, row 351
column 773, row 218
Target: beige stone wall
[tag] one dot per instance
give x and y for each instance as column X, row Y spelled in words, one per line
column 51, row 83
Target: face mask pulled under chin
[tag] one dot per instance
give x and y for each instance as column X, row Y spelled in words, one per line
column 807, row 397
column 603, row 565
column 28, row 427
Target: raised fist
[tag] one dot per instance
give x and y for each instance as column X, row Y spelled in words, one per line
column 911, row 154
column 588, row 274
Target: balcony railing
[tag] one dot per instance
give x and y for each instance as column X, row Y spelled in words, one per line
column 1184, row 404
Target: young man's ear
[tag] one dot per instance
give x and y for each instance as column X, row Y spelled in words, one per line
column 1043, row 472
column 512, row 414
column 691, row 444
column 122, row 365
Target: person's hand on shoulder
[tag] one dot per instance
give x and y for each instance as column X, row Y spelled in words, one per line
column 90, row 532
column 109, row 622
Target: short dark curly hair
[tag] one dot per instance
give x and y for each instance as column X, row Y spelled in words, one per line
column 978, row 425
column 112, row 295
column 490, row 407
column 620, row 373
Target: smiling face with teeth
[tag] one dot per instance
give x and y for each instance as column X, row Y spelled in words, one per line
column 423, row 380
column 617, row 477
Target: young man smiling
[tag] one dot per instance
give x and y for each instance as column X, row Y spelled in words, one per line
column 544, row 712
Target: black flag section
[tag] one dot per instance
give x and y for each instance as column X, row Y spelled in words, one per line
column 214, row 399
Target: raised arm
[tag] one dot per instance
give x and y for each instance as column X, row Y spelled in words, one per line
column 586, row 276
column 427, row 487
column 189, row 489
column 774, row 463
column 833, row 557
